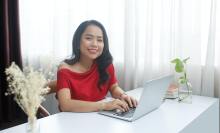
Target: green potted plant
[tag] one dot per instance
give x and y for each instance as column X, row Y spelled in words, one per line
column 184, row 87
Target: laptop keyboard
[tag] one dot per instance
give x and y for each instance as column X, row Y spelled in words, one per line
column 127, row 114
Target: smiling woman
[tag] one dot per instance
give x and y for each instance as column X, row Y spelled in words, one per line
column 85, row 78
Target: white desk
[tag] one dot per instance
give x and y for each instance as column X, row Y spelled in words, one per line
column 202, row 116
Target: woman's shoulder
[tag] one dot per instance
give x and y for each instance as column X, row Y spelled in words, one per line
column 63, row 65
column 66, row 70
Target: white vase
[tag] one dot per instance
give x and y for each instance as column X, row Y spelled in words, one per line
column 33, row 126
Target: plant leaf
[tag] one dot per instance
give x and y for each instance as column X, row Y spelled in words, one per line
column 175, row 60
column 182, row 81
column 179, row 67
column 185, row 60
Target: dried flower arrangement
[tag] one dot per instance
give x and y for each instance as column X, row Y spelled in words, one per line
column 28, row 89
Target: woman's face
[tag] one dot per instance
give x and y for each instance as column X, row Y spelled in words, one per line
column 91, row 43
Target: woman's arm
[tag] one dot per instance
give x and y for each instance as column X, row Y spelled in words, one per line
column 118, row 93
column 69, row 105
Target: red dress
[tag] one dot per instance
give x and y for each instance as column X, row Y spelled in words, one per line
column 83, row 86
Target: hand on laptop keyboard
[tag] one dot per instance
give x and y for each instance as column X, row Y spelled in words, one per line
column 116, row 104
column 128, row 113
column 132, row 102
column 118, row 111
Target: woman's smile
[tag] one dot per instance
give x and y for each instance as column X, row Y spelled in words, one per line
column 93, row 50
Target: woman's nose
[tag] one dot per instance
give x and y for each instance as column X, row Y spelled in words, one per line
column 95, row 43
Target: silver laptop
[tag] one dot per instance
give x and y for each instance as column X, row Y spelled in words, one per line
column 151, row 98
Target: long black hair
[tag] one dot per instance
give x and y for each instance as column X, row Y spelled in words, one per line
column 103, row 61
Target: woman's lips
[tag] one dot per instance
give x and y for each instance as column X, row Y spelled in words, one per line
column 93, row 51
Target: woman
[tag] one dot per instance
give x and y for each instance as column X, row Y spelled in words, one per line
column 85, row 79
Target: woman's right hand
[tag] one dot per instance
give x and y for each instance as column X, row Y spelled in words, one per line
column 116, row 104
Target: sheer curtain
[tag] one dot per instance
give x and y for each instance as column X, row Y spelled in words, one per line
column 144, row 36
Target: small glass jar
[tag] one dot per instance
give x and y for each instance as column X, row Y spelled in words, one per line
column 185, row 92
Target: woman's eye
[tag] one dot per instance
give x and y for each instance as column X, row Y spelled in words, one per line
column 88, row 38
column 100, row 40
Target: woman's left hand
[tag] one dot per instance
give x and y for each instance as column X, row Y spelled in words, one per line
column 132, row 102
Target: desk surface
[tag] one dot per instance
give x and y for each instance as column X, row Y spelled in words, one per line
column 171, row 117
